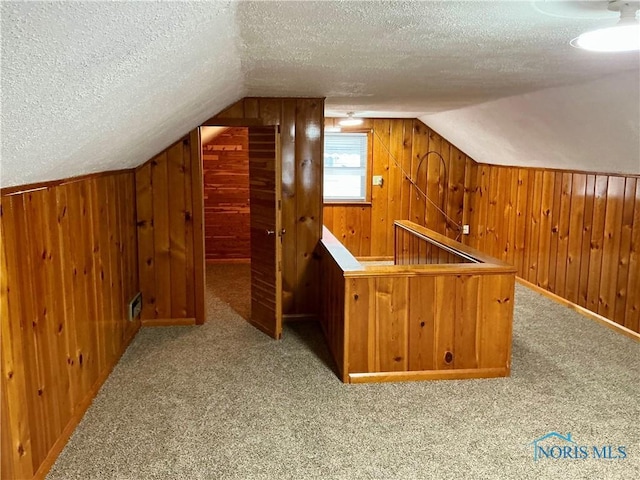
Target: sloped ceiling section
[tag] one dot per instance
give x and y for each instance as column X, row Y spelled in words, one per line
column 95, row 86
column 594, row 126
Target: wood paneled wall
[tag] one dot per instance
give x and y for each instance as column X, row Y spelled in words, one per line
column 574, row 234
column 301, row 125
column 416, row 322
column 169, row 196
column 68, row 268
column 225, row 161
column 367, row 230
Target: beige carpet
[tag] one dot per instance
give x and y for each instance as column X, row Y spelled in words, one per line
column 223, row 401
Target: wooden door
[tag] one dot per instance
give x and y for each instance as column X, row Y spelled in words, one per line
column 266, row 230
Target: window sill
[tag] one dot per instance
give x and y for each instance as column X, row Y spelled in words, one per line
column 339, row 203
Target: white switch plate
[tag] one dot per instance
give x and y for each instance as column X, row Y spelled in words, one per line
column 377, row 180
column 465, row 229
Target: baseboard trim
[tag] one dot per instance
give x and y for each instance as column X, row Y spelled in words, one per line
column 581, row 310
column 78, row 413
column 228, row 260
column 453, row 374
column 299, row 317
column 168, row 322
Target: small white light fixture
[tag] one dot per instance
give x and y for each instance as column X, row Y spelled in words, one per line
column 624, row 37
column 350, row 121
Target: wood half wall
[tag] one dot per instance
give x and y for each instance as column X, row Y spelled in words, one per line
column 400, row 148
column 68, row 268
column 574, row 234
column 301, row 123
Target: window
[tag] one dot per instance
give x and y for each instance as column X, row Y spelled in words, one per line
column 346, row 165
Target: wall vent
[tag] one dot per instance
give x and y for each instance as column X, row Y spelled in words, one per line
column 135, row 307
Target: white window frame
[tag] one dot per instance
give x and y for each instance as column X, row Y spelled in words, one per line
column 366, row 178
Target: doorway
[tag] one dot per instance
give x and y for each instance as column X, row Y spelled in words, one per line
column 227, row 219
column 241, row 178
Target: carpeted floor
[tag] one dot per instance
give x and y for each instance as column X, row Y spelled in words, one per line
column 223, row 401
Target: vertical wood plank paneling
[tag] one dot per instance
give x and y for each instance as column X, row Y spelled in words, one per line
column 496, row 292
column 422, row 319
column 626, row 231
column 544, row 244
column 483, row 197
column 430, row 167
column 190, row 156
column 161, row 240
column 177, row 238
column 17, row 455
column 521, row 222
column 380, row 227
column 455, row 191
column 394, row 183
column 587, row 227
column 611, row 246
column 563, row 235
column 37, row 252
column 466, row 321
column 554, row 233
column 597, row 243
column 493, row 212
column 289, row 198
column 197, row 215
column 62, row 293
column 146, row 245
column 391, row 313
column 309, row 147
column 534, row 230
column 575, row 237
column 66, row 285
column 468, row 199
column 445, row 312
column 575, row 234
column 632, row 313
column 405, row 161
column 361, row 300
column 419, row 148
column 170, row 220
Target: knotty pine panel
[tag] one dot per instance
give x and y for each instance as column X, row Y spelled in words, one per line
column 400, row 149
column 576, row 234
column 225, row 161
column 169, row 220
column 68, row 268
column 300, row 121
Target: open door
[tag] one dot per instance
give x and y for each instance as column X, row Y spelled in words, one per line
column 266, row 229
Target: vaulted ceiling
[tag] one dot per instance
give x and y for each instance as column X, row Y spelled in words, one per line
column 98, row 86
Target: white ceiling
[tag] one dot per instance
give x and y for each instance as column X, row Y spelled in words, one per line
column 96, row 86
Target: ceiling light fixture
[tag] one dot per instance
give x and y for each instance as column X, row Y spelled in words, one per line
column 624, row 37
column 350, row 121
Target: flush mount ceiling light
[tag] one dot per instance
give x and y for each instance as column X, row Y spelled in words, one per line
column 350, row 121
column 624, row 37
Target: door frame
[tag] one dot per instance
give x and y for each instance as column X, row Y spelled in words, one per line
column 198, row 214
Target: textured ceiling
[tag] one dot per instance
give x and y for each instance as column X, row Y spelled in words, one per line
column 418, row 57
column 93, row 86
